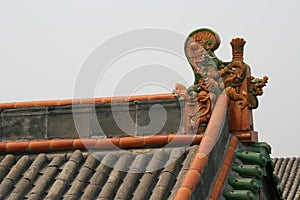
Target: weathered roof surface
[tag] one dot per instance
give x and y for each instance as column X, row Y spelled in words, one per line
column 136, row 174
column 288, row 171
column 144, row 172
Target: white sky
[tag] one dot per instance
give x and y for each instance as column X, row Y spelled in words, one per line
column 43, row 45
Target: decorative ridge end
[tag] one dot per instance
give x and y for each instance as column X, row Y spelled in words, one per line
column 212, row 77
column 256, row 89
column 237, row 45
column 206, row 38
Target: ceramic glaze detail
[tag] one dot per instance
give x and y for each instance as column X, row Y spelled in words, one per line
column 234, row 73
column 201, row 96
column 251, row 169
column 212, row 76
column 256, row 85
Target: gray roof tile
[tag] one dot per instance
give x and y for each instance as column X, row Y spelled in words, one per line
column 288, row 171
column 6, row 164
column 131, row 174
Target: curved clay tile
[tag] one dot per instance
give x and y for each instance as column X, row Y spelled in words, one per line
column 102, row 100
column 209, row 139
column 288, row 171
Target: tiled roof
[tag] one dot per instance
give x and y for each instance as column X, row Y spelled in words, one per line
column 288, row 171
column 217, row 107
column 136, row 174
column 40, row 170
column 207, row 143
column 140, row 174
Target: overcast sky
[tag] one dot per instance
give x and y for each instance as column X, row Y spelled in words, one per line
column 44, row 44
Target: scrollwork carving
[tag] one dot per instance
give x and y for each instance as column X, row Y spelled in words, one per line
column 234, row 73
column 212, row 77
column 208, row 83
column 206, row 38
column 256, row 89
column 181, row 92
column 201, row 111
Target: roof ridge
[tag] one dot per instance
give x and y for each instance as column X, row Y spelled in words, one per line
column 100, row 143
column 210, row 137
column 98, row 100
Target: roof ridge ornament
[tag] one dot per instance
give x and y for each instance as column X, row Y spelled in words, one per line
column 237, row 45
column 212, row 77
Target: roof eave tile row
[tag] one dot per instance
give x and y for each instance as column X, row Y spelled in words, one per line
column 252, row 164
column 100, row 143
column 86, row 101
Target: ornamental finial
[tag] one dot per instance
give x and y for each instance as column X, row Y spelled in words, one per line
column 212, row 78
column 237, row 45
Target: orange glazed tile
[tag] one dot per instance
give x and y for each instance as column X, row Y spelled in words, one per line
column 106, row 100
column 245, row 120
column 137, row 98
column 117, row 99
column 2, row 146
column 233, row 142
column 84, row 143
column 183, row 193
column 174, row 139
column 107, row 143
column 223, row 100
column 46, row 103
column 63, row 144
column 213, row 129
column 206, row 145
column 156, row 140
column 250, row 136
column 223, row 173
column 43, row 145
column 223, row 109
column 171, row 137
column 216, row 191
column 218, row 114
column 161, row 96
column 98, row 100
column 75, row 101
column 7, row 105
column 199, row 163
column 115, row 141
column 229, row 156
column 246, row 136
column 64, row 102
column 197, row 139
column 87, row 101
column 16, row 146
column 131, row 142
column 191, row 179
column 24, row 104
column 126, row 98
column 241, row 136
